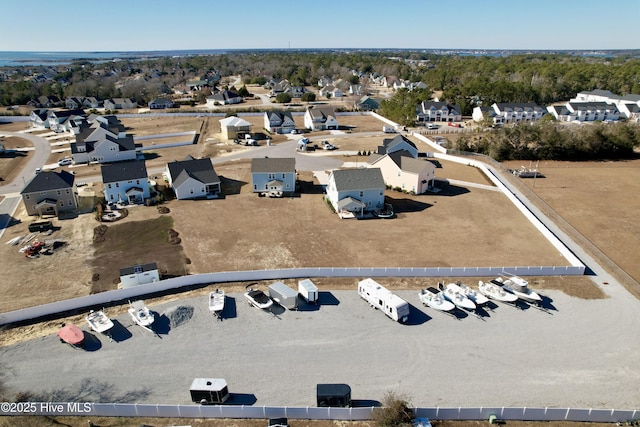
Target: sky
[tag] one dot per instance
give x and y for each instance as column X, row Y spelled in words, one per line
column 134, row 25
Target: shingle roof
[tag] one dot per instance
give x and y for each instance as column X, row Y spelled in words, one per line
column 49, row 180
column 270, row 164
column 407, row 163
column 234, row 121
column 358, row 179
column 151, row 266
column 123, row 171
column 198, row 169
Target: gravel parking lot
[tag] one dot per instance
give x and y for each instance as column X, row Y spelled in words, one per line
column 508, row 357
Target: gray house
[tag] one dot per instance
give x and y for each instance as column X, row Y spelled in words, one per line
column 193, row 178
column 273, row 176
column 352, row 192
column 50, row 193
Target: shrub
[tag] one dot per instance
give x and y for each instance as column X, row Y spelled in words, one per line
column 395, row 412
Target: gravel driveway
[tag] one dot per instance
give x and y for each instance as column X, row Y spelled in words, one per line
column 508, row 357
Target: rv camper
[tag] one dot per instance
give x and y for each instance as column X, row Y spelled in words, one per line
column 283, row 295
column 381, row 298
column 209, row 391
column 308, row 291
column 333, row 395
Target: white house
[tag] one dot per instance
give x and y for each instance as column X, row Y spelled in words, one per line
column 139, row 275
column 126, row 182
column 224, row 97
column 586, row 111
column 320, row 118
column 104, row 140
column 352, row 192
column 193, row 178
column 519, row 111
column 279, row 122
column 628, row 105
column 406, row 173
column 233, row 127
column 273, row 176
column 438, row 112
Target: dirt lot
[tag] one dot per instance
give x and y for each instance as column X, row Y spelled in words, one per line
column 12, row 163
column 599, row 199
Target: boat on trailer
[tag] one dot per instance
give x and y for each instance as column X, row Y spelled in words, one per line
column 72, row 335
column 99, row 322
column 141, row 314
column 257, row 298
column 454, row 293
column 216, row 302
column 495, row 292
column 475, row 296
column 433, row 298
column 520, row 288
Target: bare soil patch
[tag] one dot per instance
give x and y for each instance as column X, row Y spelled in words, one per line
column 599, row 199
column 11, row 164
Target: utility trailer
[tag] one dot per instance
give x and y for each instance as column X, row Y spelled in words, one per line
column 209, row 391
column 283, row 295
column 308, row 291
column 333, row 395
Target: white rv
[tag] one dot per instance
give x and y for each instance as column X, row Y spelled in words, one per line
column 381, row 298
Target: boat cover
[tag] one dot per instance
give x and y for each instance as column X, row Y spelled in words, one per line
column 71, row 334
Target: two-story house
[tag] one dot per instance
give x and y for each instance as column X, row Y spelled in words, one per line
column 438, row 112
column 119, row 104
column 233, row 127
column 103, row 140
column 320, row 118
column 398, row 143
column 50, row 193
column 160, row 104
column 352, row 192
column 273, row 176
column 193, row 178
column 279, row 122
column 403, row 172
column 126, row 182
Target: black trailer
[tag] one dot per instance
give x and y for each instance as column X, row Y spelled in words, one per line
column 209, row 391
column 333, row 395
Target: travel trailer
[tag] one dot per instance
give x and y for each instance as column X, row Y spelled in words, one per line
column 209, row 391
column 308, row 291
column 283, row 295
column 381, row 298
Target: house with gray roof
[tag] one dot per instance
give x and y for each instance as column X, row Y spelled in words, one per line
column 224, row 97
column 398, row 143
column 403, row 172
column 353, row 192
column 126, row 182
column 64, row 120
column 279, row 122
column 193, row 178
column 38, row 118
column 139, row 274
column 273, row 176
column 430, row 111
column 366, row 103
column 320, row 118
column 102, row 139
column 160, row 104
column 516, row 112
column 119, row 104
column 50, row 193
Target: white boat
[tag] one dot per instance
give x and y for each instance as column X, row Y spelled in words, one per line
column 520, row 288
column 98, row 321
column 141, row 314
column 495, row 291
column 216, row 302
column 473, row 295
column 433, row 298
column 454, row 293
column 258, row 299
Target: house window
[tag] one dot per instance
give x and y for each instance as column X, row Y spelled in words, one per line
column 69, row 203
column 255, row 187
column 26, row 196
column 67, row 191
column 282, row 176
column 272, row 176
column 191, row 191
column 117, row 185
column 58, row 192
column 361, row 193
column 108, row 185
column 137, row 181
column 111, row 197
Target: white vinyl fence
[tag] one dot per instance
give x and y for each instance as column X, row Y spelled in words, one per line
column 314, row 413
column 100, row 299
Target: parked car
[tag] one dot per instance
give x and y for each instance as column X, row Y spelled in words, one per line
column 65, row 162
column 455, row 125
column 432, row 126
column 326, row 145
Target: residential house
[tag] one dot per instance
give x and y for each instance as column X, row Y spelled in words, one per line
column 356, row 191
column 591, row 111
column 320, row 118
column 297, row 91
column 49, row 101
column 64, row 120
column 233, row 127
column 366, row 103
column 560, row 112
column 38, row 118
column 398, row 143
column 279, row 122
column 519, row 111
column 627, row 105
column 224, row 97
column 119, row 104
column 324, row 81
column 597, row 95
column 274, row 176
column 91, row 102
column 330, row 91
column 103, row 139
column 428, row 111
column 160, row 104
column 50, row 193
column 402, row 171
column 73, row 103
column 356, row 89
column 630, row 111
column 481, row 113
column 126, row 182
column 139, row 275
column 193, row 178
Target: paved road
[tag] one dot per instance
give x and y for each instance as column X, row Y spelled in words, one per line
column 582, row 354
